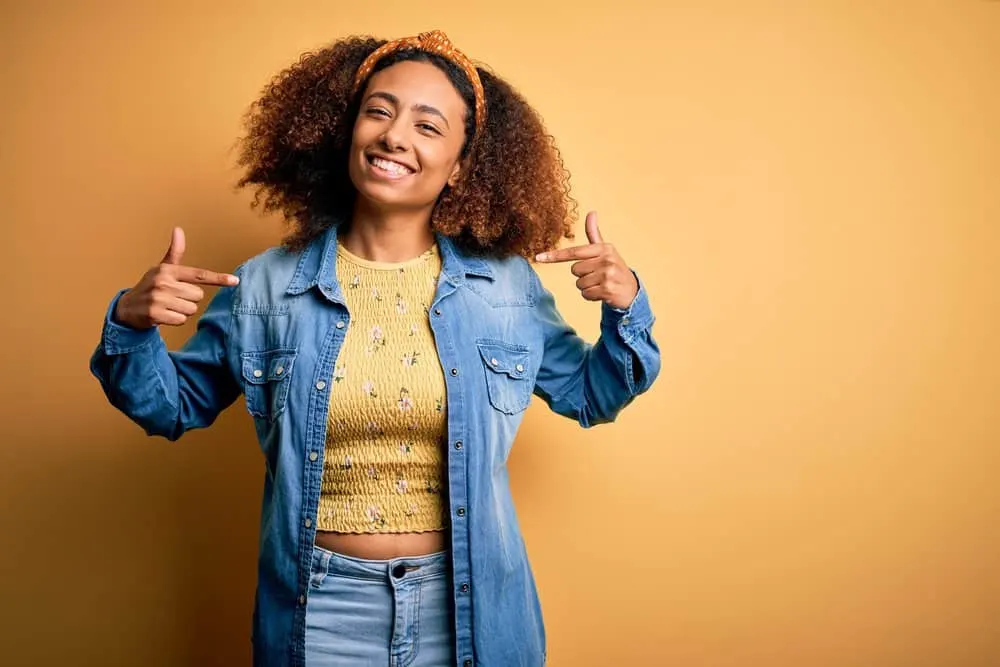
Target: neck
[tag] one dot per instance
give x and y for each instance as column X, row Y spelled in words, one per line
column 387, row 236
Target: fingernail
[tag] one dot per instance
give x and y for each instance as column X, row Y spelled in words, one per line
column 233, row 280
column 541, row 257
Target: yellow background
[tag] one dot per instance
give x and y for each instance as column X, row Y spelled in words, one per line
column 811, row 192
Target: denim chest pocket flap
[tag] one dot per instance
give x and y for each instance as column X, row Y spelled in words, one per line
column 507, row 374
column 265, row 380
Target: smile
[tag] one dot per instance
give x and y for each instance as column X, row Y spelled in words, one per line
column 389, row 167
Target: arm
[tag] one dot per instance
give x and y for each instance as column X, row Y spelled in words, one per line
column 593, row 383
column 167, row 393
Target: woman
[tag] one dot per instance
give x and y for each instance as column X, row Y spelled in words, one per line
column 387, row 352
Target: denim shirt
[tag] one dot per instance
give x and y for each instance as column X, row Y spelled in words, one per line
column 275, row 338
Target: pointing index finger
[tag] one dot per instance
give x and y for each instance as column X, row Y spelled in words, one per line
column 570, row 254
column 190, row 274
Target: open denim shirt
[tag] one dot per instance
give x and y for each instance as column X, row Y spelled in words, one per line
column 275, row 338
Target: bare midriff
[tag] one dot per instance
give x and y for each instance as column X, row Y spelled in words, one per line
column 383, row 546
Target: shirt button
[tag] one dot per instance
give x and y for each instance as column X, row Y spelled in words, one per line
column 257, row 372
column 454, row 371
column 321, row 385
column 313, row 456
column 467, row 663
column 308, row 522
column 464, row 588
column 279, row 370
column 437, row 311
column 494, row 362
column 458, row 444
column 519, row 368
column 461, row 511
column 340, row 324
column 302, row 599
column 625, row 321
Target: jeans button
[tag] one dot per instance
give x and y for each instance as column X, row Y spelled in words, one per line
column 398, row 571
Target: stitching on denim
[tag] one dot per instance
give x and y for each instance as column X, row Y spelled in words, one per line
column 414, row 635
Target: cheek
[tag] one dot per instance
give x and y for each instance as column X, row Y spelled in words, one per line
column 357, row 138
column 441, row 159
column 364, row 133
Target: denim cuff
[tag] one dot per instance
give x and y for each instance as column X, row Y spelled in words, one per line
column 632, row 321
column 120, row 339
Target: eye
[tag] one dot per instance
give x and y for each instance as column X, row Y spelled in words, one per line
column 427, row 127
column 377, row 111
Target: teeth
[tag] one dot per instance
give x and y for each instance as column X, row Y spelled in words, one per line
column 390, row 166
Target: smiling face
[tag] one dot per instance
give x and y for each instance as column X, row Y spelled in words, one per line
column 408, row 137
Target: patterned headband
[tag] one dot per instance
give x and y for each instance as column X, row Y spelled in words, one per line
column 431, row 42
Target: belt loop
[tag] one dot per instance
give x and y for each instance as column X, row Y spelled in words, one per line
column 320, row 567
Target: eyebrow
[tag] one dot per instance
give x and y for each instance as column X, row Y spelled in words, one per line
column 423, row 108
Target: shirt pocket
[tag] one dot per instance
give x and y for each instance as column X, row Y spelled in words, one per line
column 266, row 377
column 507, row 375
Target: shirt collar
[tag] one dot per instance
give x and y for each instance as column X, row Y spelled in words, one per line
column 317, row 265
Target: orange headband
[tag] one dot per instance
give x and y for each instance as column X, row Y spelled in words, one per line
column 431, row 42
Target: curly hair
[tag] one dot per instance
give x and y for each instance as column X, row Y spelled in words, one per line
column 513, row 197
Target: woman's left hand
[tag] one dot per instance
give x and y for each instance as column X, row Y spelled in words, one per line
column 602, row 275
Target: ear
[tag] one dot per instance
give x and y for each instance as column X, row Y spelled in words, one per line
column 456, row 174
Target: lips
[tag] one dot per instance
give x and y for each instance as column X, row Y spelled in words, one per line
column 390, row 167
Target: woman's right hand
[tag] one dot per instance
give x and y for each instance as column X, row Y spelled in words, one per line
column 169, row 292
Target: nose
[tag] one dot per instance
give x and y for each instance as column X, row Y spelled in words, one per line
column 394, row 137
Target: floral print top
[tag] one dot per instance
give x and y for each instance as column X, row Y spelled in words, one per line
column 384, row 466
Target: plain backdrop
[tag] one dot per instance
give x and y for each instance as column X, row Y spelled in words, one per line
column 811, row 192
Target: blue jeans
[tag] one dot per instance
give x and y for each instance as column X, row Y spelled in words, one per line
column 379, row 613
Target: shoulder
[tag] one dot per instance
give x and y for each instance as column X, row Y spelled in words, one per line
column 272, row 265
column 508, row 280
column 514, row 266
column 266, row 277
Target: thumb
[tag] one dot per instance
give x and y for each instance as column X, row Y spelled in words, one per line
column 593, row 233
column 176, row 249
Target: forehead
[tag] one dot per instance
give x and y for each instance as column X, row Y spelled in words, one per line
column 417, row 82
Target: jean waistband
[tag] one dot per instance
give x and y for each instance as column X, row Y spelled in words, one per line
column 412, row 567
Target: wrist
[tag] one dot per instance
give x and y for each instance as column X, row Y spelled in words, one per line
column 625, row 301
column 121, row 316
